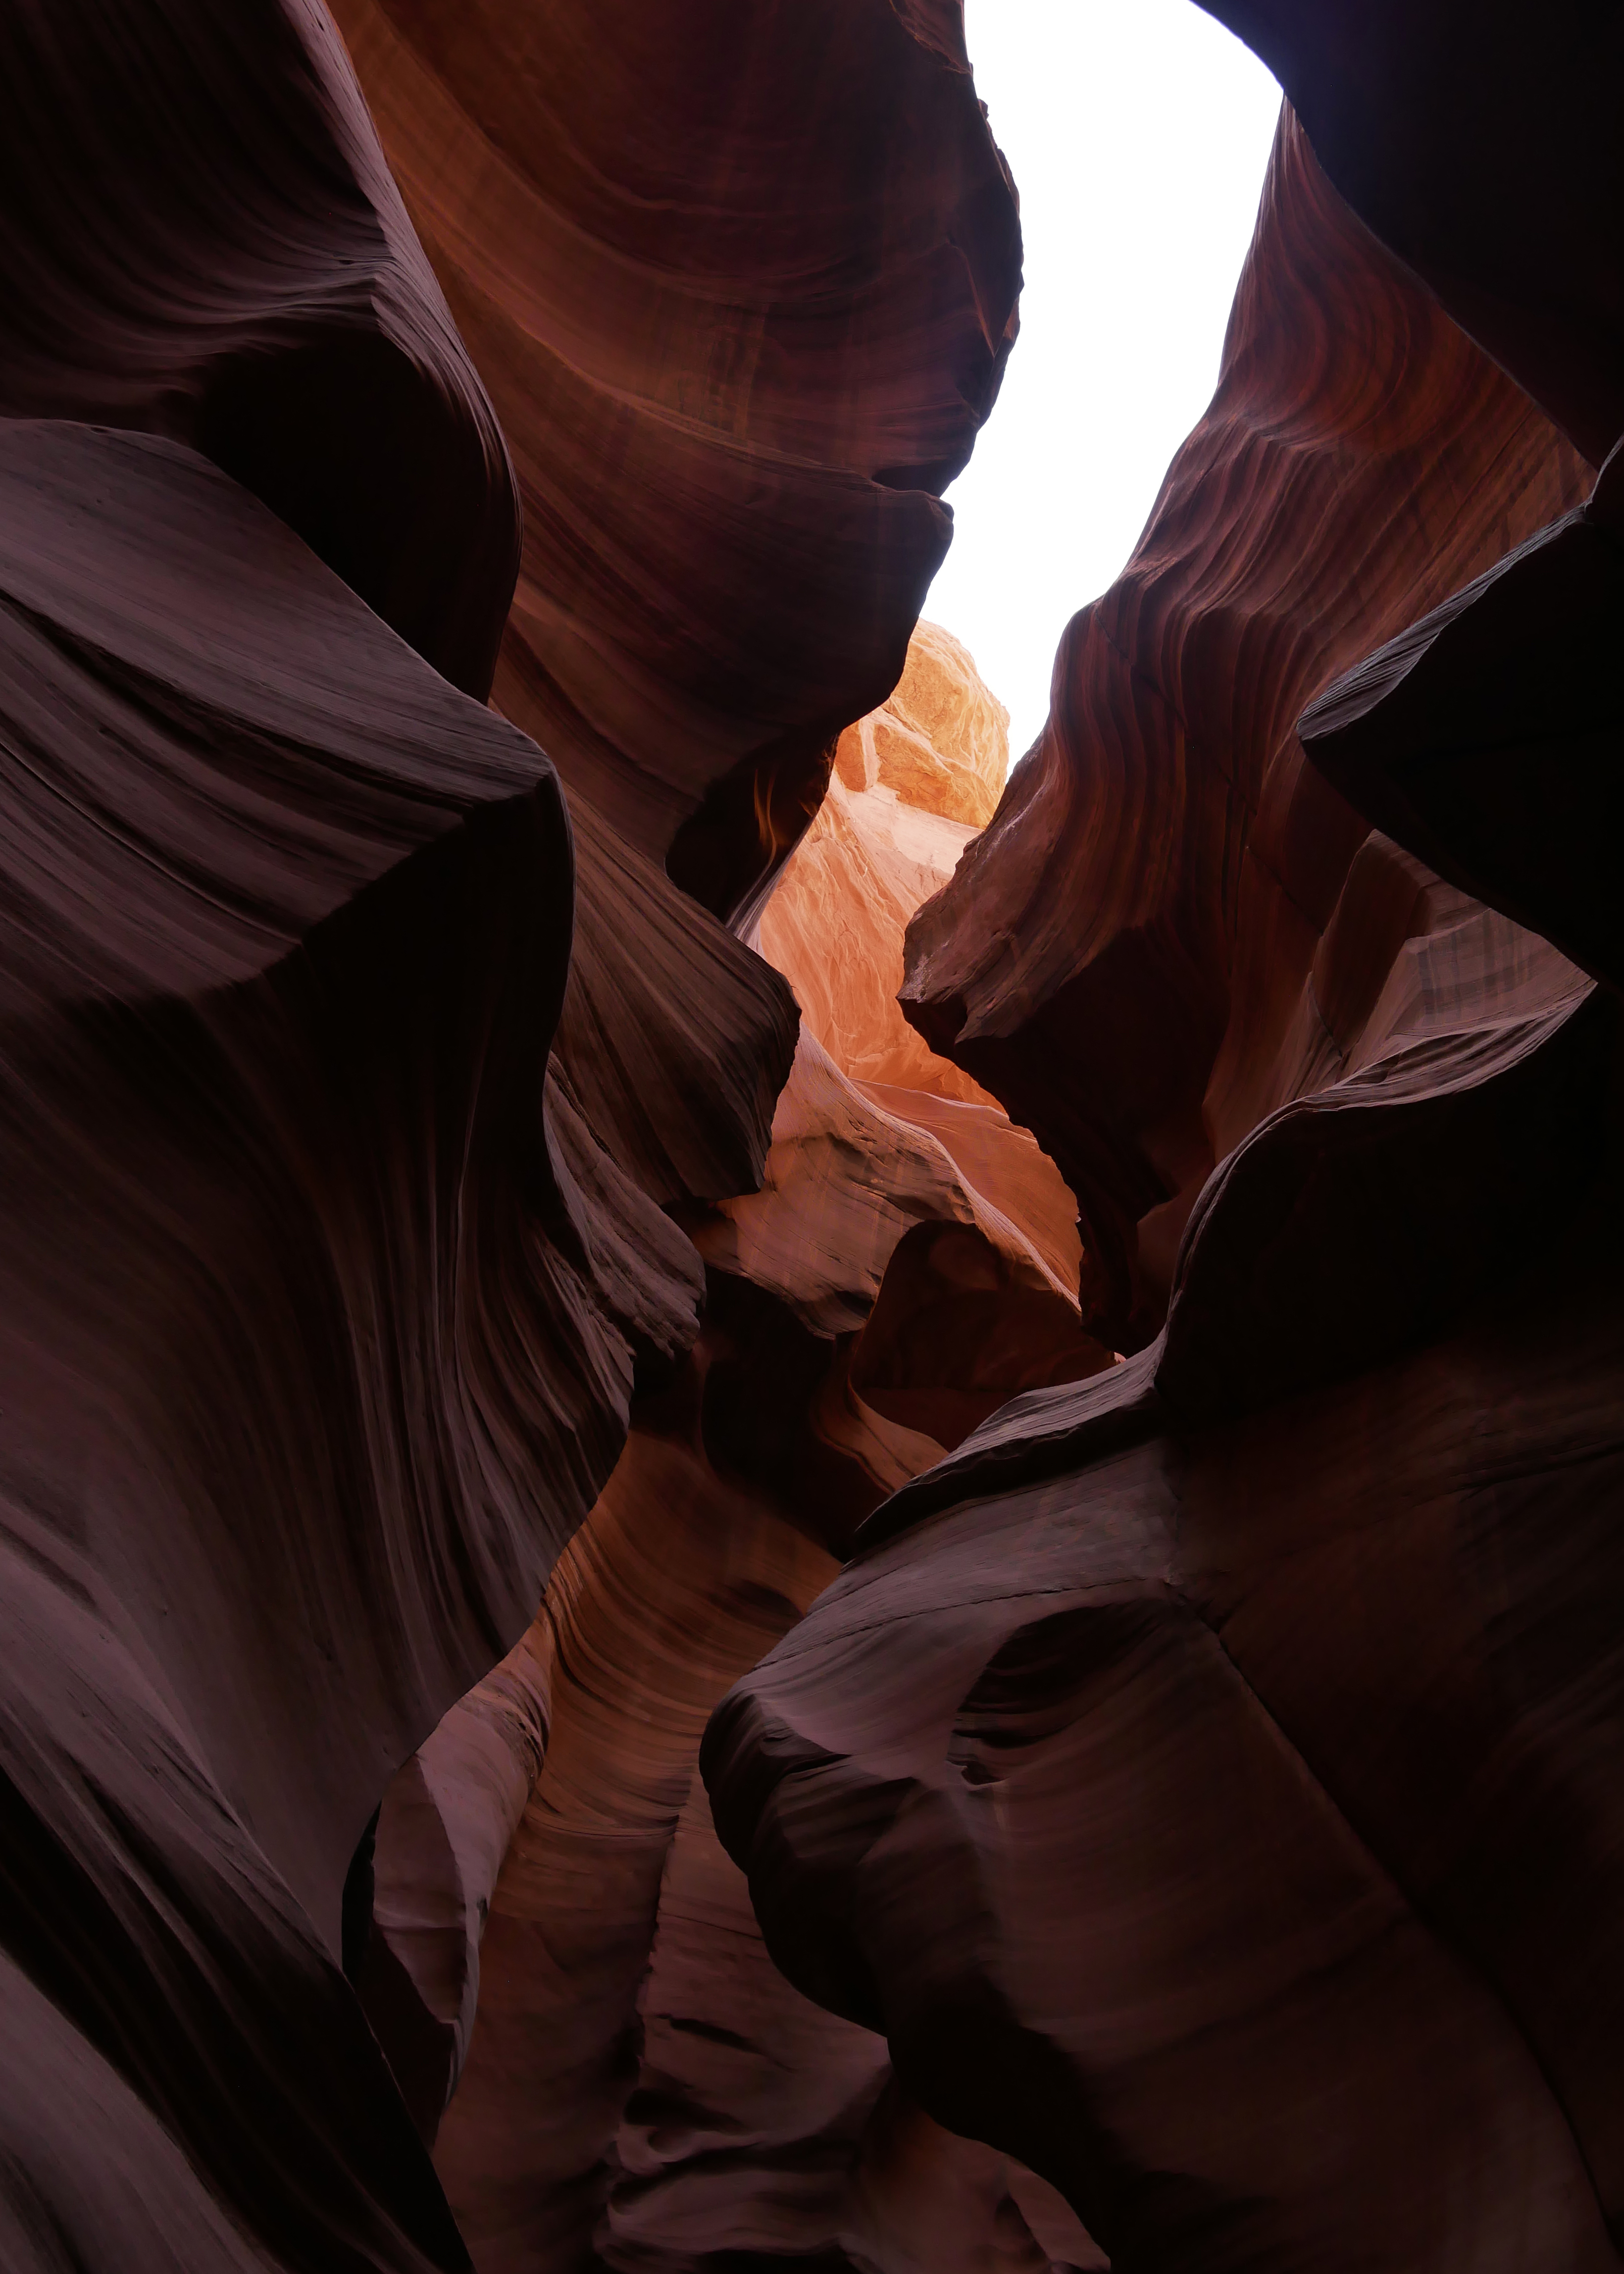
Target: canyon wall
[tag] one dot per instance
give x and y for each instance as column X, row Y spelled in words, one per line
column 1204, row 1777
column 607, row 1665
column 1157, row 941
column 1488, row 159
column 355, row 1082
column 741, row 285
column 559, row 1938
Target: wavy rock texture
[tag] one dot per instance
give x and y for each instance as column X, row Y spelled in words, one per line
column 309, row 1273
column 286, row 930
column 337, row 1236
column 737, row 353
column 643, row 2088
column 912, row 786
column 1133, row 957
column 675, row 1040
column 361, row 1282
column 1487, row 737
column 1204, row 1777
column 334, row 1243
column 784, row 2133
column 865, row 1311
column 1189, row 1784
column 674, row 1587
column 203, row 240
column 1188, row 1825
column 1489, row 161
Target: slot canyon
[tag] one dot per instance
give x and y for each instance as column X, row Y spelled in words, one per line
column 781, row 1493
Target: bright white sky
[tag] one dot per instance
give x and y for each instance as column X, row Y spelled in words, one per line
column 1138, row 136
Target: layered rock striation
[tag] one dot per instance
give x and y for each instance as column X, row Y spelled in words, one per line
column 203, row 241
column 1188, row 1776
column 472, row 1358
column 742, row 291
column 641, row 2087
column 913, row 786
column 334, row 1243
column 1204, row 1778
column 306, row 1275
column 1169, row 928
column 1486, row 160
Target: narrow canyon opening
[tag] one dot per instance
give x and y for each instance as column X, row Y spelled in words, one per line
column 770, row 1498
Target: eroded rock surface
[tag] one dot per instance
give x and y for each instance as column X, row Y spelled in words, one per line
column 1161, row 1813
column 1188, row 1784
column 1487, row 161
column 866, row 1309
column 912, row 785
column 308, row 1272
column 1159, row 937
column 742, row 291
column 1205, row 1777
column 203, row 240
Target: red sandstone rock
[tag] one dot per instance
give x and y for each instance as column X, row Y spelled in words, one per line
column 805, row 1408
column 202, row 240
column 866, row 1309
column 267, row 877
column 1202, row 1788
column 864, row 1312
column 322, row 1301
column 327, row 1285
column 675, row 1040
column 1121, row 957
column 369, row 1276
column 1487, row 157
column 742, row 292
column 844, row 1181
column 1189, row 1785
column 642, row 2085
column 1487, row 737
column 1204, row 1777
column 674, row 1585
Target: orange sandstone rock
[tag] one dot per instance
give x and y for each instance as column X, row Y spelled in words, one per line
column 912, row 784
column 941, row 739
column 834, row 927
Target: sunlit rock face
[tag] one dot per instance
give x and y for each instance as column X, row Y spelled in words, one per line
column 914, row 784
column 940, row 741
column 1170, row 929
column 742, row 291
